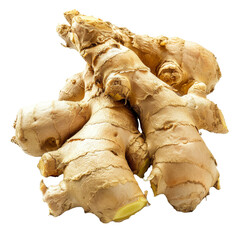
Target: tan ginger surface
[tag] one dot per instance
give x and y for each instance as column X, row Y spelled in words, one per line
column 177, row 62
column 183, row 167
column 87, row 141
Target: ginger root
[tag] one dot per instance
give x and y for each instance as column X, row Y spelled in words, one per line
column 90, row 134
column 177, row 62
column 183, row 167
column 86, row 136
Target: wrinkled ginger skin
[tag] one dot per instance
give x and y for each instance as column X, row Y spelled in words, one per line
column 177, row 62
column 97, row 176
column 183, row 167
column 91, row 153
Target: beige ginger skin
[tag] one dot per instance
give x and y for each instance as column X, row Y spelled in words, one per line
column 183, row 167
column 177, row 62
column 86, row 136
column 91, row 137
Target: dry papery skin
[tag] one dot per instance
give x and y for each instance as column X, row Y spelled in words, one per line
column 86, row 136
column 131, row 67
column 177, row 62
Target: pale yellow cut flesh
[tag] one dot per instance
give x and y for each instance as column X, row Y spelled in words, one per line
column 144, row 168
column 117, row 96
column 129, row 209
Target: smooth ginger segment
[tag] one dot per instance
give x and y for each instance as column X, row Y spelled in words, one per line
column 46, row 126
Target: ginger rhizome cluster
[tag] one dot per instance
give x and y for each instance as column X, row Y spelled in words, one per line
column 90, row 134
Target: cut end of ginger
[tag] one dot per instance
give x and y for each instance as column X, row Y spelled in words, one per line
column 128, row 210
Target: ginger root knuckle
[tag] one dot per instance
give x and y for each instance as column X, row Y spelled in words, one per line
column 69, row 15
column 118, row 87
column 171, row 73
column 51, row 144
column 49, row 165
column 46, row 126
column 74, row 89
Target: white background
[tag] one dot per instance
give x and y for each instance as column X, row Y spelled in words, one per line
column 34, row 67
